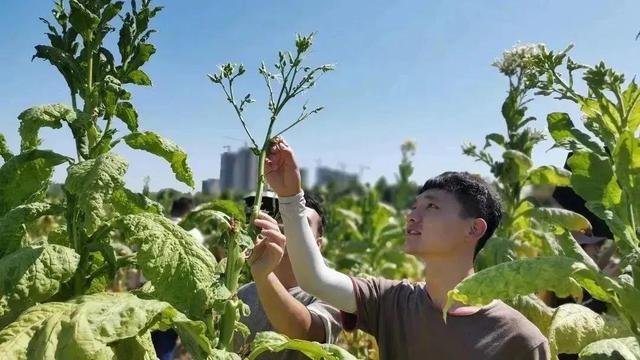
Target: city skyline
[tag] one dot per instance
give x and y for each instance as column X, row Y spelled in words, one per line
column 239, row 169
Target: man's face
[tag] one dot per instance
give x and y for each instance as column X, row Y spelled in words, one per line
column 314, row 220
column 435, row 226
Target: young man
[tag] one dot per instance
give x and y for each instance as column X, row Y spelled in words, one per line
column 275, row 299
column 453, row 216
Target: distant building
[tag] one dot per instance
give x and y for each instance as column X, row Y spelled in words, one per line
column 211, row 186
column 238, row 170
column 340, row 178
column 227, row 161
column 304, row 177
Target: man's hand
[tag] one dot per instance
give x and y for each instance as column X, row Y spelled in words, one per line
column 281, row 169
column 269, row 247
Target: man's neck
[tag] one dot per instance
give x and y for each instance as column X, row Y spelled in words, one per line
column 443, row 274
column 284, row 273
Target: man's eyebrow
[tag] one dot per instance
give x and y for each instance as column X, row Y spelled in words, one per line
column 428, row 197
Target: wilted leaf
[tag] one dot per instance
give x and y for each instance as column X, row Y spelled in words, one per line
column 5, row 153
column 32, row 275
column 128, row 114
column 565, row 219
column 273, row 342
column 563, row 275
column 565, row 134
column 93, row 182
column 549, row 175
column 157, row 145
column 181, row 270
column 126, row 202
column 31, row 120
column 13, row 228
column 25, row 177
column 575, row 326
column 95, row 327
column 612, row 349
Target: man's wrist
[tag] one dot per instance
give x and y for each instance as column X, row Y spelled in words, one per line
column 259, row 275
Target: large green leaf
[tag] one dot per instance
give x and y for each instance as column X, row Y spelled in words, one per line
column 601, row 118
column 631, row 98
column 5, row 152
column 572, row 249
column 566, row 219
column 549, row 175
column 98, row 326
column 273, row 342
column 516, row 165
column 24, row 178
column 575, row 326
column 496, row 138
column 126, row 202
column 138, row 77
column 82, row 20
column 66, row 64
column 31, row 275
column 193, row 336
column 181, row 270
column 612, row 349
column 513, row 112
column 137, row 347
column 627, row 168
column 32, row 119
column 93, row 183
column 497, row 250
column 166, row 149
column 15, row 337
column 560, row 274
column 534, row 309
column 623, row 232
column 206, row 219
column 593, row 179
column 128, row 114
column 566, row 135
column 629, row 298
column 13, row 225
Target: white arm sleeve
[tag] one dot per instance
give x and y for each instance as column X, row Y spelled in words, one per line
column 313, row 275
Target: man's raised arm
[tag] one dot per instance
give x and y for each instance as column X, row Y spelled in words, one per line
column 312, row 274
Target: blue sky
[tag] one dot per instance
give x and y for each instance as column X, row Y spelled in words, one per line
column 405, row 70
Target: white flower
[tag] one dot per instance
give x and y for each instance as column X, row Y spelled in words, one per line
column 518, row 58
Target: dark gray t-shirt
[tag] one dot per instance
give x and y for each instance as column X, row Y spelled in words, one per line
column 408, row 326
column 257, row 321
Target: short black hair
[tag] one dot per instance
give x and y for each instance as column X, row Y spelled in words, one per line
column 477, row 198
column 181, row 206
column 271, row 205
column 314, row 202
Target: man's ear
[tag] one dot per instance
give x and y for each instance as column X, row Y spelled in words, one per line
column 321, row 241
column 477, row 229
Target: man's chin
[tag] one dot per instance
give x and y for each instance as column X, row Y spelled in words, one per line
column 410, row 249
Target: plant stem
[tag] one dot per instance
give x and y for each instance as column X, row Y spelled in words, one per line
column 232, row 272
column 238, row 112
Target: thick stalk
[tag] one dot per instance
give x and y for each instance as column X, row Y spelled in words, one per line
column 234, row 260
column 72, row 229
column 255, row 209
column 232, row 272
column 74, row 104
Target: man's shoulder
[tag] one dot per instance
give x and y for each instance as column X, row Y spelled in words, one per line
column 381, row 284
